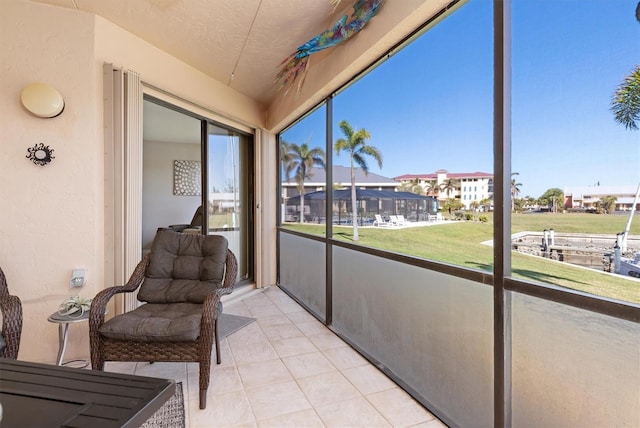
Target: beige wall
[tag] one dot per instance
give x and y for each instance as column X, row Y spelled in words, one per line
column 52, row 217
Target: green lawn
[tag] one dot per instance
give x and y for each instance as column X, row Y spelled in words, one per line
column 460, row 243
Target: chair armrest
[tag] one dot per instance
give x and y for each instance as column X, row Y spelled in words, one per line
column 230, row 274
column 11, row 325
column 209, row 308
column 99, row 303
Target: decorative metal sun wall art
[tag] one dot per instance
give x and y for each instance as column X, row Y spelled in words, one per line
column 187, row 178
column 40, row 154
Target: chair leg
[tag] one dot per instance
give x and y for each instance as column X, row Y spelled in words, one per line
column 218, row 358
column 203, row 399
column 205, row 373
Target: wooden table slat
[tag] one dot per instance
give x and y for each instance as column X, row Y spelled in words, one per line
column 47, row 391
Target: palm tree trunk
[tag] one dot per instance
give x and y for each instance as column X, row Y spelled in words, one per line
column 301, row 219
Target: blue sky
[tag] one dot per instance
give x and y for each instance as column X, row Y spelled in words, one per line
column 430, row 106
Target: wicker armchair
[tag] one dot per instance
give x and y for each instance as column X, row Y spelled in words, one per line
column 181, row 282
column 11, row 321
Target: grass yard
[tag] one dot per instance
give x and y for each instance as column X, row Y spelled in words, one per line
column 460, row 243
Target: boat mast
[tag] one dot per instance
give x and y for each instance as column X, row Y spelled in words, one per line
column 623, row 244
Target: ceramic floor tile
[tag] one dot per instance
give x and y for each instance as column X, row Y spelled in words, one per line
column 226, row 356
column 280, row 298
column 282, row 331
column 293, row 346
column 263, row 373
column 252, row 333
column 253, row 352
column 356, row 412
column 191, row 389
column 175, row 371
column 265, row 310
column 368, row 379
column 274, row 291
column 399, row 408
column 289, row 307
column 221, row 381
column 284, row 300
column 236, row 307
column 120, row 367
column 268, row 321
column 306, row 418
column 305, row 365
column 327, row 340
column 434, row 423
column 257, row 300
column 277, row 399
column 222, row 410
column 300, row 316
column 327, row 388
column 312, row 327
column 345, row 358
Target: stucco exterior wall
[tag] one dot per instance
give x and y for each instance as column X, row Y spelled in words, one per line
column 52, row 217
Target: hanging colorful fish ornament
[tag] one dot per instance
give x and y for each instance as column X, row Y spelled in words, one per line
column 295, row 66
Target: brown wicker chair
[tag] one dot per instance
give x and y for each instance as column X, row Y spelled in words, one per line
column 181, row 282
column 11, row 321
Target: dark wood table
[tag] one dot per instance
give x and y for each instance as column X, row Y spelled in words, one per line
column 42, row 395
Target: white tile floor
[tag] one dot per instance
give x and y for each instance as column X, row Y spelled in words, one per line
column 288, row 370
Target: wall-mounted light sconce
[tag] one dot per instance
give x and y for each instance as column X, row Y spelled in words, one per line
column 42, row 99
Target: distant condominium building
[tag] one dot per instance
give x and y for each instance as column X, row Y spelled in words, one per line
column 587, row 197
column 468, row 187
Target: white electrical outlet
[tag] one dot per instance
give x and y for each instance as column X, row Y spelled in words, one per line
column 78, row 278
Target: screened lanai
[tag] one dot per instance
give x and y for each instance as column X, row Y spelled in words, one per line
column 412, row 206
column 476, row 333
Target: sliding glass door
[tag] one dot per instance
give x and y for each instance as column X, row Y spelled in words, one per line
column 176, row 180
column 229, row 179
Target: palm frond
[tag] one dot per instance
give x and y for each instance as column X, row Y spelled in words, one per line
column 626, row 101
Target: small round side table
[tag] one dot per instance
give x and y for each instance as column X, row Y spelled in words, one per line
column 63, row 322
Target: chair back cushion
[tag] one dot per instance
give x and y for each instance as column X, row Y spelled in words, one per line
column 183, row 268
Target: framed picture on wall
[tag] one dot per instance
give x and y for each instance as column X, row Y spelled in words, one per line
column 187, row 178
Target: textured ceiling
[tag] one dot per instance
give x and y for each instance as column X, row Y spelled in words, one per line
column 240, row 43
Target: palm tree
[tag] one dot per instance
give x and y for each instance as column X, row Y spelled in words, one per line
column 434, row 189
column 427, row 186
column 626, row 101
column 355, row 143
column 449, row 185
column 286, row 158
column 301, row 161
column 515, row 189
column 412, row 186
